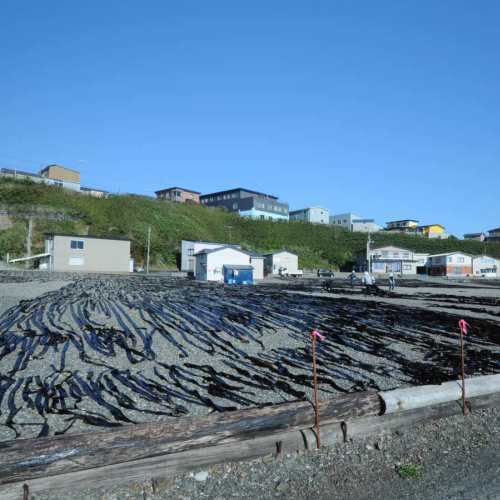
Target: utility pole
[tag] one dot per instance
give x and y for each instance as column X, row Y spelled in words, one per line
column 29, row 237
column 368, row 257
column 149, row 246
column 229, row 228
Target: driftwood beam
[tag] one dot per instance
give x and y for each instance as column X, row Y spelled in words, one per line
column 25, row 459
column 291, row 441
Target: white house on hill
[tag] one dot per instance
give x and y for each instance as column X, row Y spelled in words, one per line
column 191, row 247
column 397, row 260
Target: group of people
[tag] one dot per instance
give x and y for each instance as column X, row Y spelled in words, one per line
column 369, row 281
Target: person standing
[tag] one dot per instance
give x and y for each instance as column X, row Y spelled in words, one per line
column 369, row 282
column 352, row 277
column 392, row 282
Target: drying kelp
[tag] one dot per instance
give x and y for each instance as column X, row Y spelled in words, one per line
column 110, row 351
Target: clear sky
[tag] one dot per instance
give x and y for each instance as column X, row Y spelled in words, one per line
column 389, row 109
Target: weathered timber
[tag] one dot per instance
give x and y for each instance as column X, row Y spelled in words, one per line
column 291, row 441
column 26, row 459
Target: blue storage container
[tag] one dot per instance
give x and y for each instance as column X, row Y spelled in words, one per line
column 238, row 275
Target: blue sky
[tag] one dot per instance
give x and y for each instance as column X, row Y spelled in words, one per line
column 390, row 109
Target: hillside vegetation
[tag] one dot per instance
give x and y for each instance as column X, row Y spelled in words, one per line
column 130, row 216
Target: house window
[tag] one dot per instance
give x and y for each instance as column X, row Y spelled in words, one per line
column 190, row 251
column 460, row 259
column 235, row 206
column 76, row 245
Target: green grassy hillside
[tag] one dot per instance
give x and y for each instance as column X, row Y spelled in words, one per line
column 130, row 216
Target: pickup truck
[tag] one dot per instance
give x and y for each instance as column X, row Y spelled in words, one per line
column 295, row 274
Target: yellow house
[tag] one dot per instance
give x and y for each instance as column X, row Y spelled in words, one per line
column 432, row 231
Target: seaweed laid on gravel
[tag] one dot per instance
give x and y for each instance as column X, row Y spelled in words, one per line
column 106, row 351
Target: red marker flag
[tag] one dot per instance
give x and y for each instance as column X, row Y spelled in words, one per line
column 317, row 335
column 464, row 326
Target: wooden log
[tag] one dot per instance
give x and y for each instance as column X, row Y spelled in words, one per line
column 291, row 441
column 21, row 460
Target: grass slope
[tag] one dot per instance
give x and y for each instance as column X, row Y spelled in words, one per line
column 130, row 216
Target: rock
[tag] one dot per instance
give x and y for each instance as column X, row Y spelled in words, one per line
column 281, row 486
column 201, row 476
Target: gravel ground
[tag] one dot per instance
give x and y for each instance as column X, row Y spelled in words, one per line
column 12, row 293
column 452, row 458
column 104, row 351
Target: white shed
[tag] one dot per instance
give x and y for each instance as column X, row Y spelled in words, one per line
column 257, row 262
column 485, row 267
column 191, row 247
column 210, row 262
column 282, row 262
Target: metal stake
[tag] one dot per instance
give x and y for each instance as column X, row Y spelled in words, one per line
column 462, row 356
column 315, row 386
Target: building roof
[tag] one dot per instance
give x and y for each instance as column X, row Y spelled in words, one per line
column 20, row 172
column 402, row 220
column 430, row 225
column 223, row 243
column 254, row 255
column 88, row 236
column 177, row 187
column 280, row 251
column 93, row 189
column 450, row 253
column 307, row 208
column 496, row 230
column 472, row 234
column 391, row 246
column 218, row 249
column 352, row 214
column 237, row 267
column 240, row 189
column 60, row 166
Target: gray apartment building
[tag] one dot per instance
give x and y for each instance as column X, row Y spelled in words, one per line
column 314, row 215
column 355, row 223
column 248, row 203
column 493, row 234
column 66, row 252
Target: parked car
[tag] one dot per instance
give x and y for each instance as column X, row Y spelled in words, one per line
column 325, row 273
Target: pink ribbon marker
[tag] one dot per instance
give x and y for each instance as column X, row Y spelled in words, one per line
column 464, row 326
column 318, row 335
